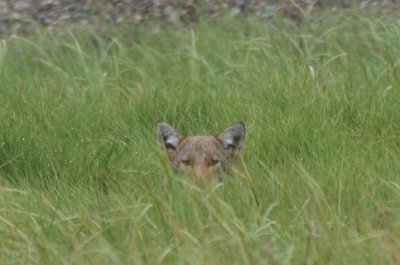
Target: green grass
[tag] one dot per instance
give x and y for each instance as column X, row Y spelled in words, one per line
column 83, row 182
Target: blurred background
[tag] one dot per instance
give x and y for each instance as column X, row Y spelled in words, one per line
column 19, row 15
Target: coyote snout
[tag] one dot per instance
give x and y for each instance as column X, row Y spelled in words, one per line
column 202, row 156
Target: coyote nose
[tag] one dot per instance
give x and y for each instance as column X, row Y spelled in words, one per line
column 201, row 172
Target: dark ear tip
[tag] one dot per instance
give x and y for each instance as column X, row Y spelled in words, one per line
column 160, row 128
column 162, row 124
column 242, row 124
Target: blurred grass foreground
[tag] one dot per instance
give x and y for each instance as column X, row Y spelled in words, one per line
column 82, row 180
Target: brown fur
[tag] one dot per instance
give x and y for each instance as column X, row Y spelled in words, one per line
column 202, row 156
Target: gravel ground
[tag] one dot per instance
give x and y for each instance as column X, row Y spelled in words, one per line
column 19, row 15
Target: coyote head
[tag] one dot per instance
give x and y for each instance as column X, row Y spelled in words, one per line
column 201, row 156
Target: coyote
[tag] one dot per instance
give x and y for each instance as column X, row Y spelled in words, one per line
column 201, row 156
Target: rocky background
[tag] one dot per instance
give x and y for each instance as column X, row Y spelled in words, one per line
column 20, row 15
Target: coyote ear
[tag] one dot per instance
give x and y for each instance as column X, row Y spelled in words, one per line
column 167, row 137
column 232, row 139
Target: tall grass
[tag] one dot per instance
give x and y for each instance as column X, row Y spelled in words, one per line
column 83, row 181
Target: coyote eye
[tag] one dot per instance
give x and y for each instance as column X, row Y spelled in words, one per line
column 213, row 162
column 186, row 162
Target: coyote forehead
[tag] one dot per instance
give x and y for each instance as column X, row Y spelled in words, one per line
column 198, row 149
column 201, row 156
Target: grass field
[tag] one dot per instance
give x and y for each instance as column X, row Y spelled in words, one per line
column 83, row 182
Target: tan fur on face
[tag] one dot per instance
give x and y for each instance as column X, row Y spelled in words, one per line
column 205, row 155
column 202, row 156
